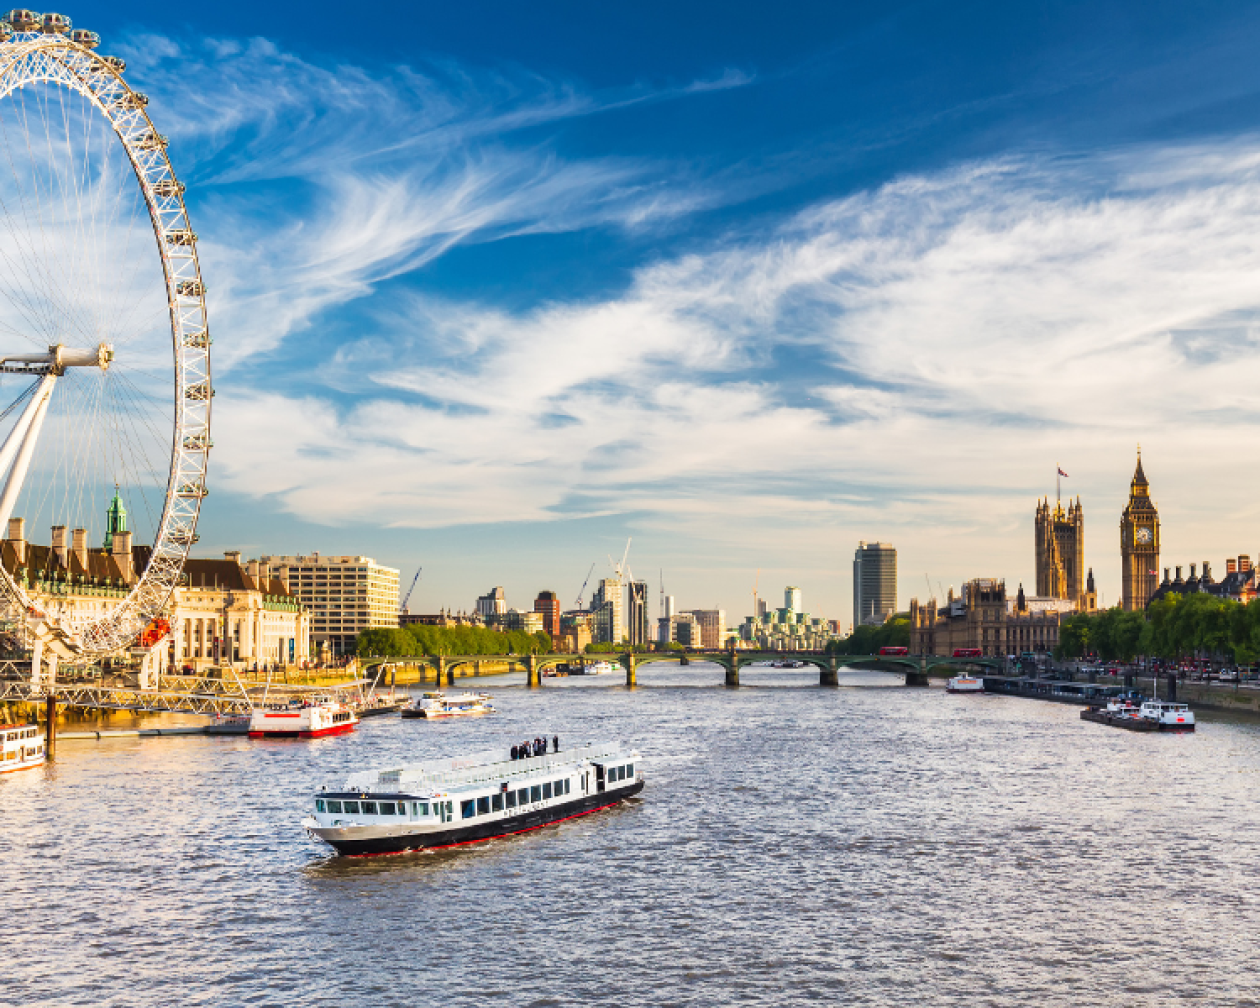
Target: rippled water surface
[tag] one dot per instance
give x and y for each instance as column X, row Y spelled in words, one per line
column 867, row 845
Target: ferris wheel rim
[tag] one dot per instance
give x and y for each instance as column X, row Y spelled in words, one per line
column 32, row 57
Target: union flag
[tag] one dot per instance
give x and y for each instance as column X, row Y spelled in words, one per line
column 1062, row 473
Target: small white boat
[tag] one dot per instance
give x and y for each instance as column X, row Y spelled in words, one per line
column 1168, row 715
column 439, row 705
column 302, row 719
column 964, row 684
column 21, row 747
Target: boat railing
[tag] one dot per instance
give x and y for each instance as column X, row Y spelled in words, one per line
column 498, row 769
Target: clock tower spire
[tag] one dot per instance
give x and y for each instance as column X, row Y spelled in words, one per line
column 1139, row 543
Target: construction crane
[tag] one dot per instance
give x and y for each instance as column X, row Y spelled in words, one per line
column 582, row 590
column 618, row 568
column 407, row 597
column 756, row 582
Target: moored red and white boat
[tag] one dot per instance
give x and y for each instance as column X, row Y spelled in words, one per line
column 964, row 684
column 302, row 719
column 439, row 705
column 21, row 747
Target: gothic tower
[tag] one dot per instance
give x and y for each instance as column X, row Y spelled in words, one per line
column 1060, row 551
column 1139, row 543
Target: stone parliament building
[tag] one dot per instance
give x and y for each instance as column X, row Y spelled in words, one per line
column 985, row 617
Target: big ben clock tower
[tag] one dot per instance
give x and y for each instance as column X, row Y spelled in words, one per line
column 1139, row 543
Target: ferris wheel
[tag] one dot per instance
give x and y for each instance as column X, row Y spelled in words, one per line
column 104, row 350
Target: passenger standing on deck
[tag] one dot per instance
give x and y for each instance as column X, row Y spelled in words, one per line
column 515, row 752
column 555, row 743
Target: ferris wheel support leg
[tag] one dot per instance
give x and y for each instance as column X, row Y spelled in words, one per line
column 37, row 409
column 37, row 662
column 148, row 670
column 18, row 434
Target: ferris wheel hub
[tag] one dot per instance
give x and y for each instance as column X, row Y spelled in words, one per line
column 58, row 358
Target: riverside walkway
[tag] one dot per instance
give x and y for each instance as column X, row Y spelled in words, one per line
column 916, row 668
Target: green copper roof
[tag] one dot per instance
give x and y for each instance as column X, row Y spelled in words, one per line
column 115, row 519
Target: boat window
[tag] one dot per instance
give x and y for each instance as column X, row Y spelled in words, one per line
column 496, row 802
column 483, row 805
column 387, row 808
column 547, row 791
column 630, row 770
column 369, row 807
column 535, row 793
column 450, row 808
column 523, row 796
column 468, row 808
column 351, row 806
column 511, row 799
column 319, row 804
column 419, row 809
column 334, row 806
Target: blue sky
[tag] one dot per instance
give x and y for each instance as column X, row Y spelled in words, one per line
column 495, row 286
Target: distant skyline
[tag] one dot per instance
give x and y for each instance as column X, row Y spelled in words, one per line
column 493, row 288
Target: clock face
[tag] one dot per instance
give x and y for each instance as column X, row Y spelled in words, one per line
column 1144, row 535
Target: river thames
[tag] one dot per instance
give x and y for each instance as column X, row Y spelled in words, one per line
column 866, row 845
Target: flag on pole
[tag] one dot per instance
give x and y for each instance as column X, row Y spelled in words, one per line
column 1062, row 473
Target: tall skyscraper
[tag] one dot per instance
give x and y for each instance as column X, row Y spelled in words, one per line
column 1139, row 543
column 548, row 603
column 712, row 626
column 608, row 605
column 792, row 598
column 874, row 582
column 637, row 613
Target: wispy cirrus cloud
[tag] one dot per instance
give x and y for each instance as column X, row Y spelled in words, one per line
column 913, row 358
column 312, row 183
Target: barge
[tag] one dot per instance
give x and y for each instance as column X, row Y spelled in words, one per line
column 1153, row 715
column 468, row 799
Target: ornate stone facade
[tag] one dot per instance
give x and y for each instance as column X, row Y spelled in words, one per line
column 1060, row 551
column 982, row 617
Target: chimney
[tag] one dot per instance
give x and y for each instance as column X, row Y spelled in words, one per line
column 1231, row 566
column 233, row 555
column 17, row 536
column 1207, row 571
column 79, row 545
column 59, row 543
column 122, row 556
column 1244, row 564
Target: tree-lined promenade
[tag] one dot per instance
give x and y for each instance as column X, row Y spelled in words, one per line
column 419, row 639
column 1175, row 626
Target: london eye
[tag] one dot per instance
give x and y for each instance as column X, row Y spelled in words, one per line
column 105, row 387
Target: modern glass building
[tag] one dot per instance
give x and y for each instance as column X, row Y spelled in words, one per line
column 874, row 583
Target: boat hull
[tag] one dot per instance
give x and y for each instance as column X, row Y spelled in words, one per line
column 346, row 843
column 337, row 729
column 1132, row 723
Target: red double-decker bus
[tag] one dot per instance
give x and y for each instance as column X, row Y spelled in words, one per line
column 967, row 652
column 894, row 652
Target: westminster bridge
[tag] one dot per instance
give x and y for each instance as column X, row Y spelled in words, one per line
column 916, row 668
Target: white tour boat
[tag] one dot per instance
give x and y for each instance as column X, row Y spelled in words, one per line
column 439, row 705
column 448, row 802
column 965, row 684
column 1168, row 715
column 21, row 747
column 302, row 718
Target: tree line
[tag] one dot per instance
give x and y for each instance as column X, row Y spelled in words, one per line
column 1175, row 626
column 893, row 632
column 420, row 639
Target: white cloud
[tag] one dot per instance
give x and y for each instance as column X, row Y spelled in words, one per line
column 951, row 339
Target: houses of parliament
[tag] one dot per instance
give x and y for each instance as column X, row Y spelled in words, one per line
column 983, row 616
column 1060, row 550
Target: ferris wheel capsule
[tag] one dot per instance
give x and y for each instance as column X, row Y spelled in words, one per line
column 115, row 63
column 6, row 31
column 133, row 99
column 168, row 187
column 87, row 39
column 24, row 20
column 54, row 24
